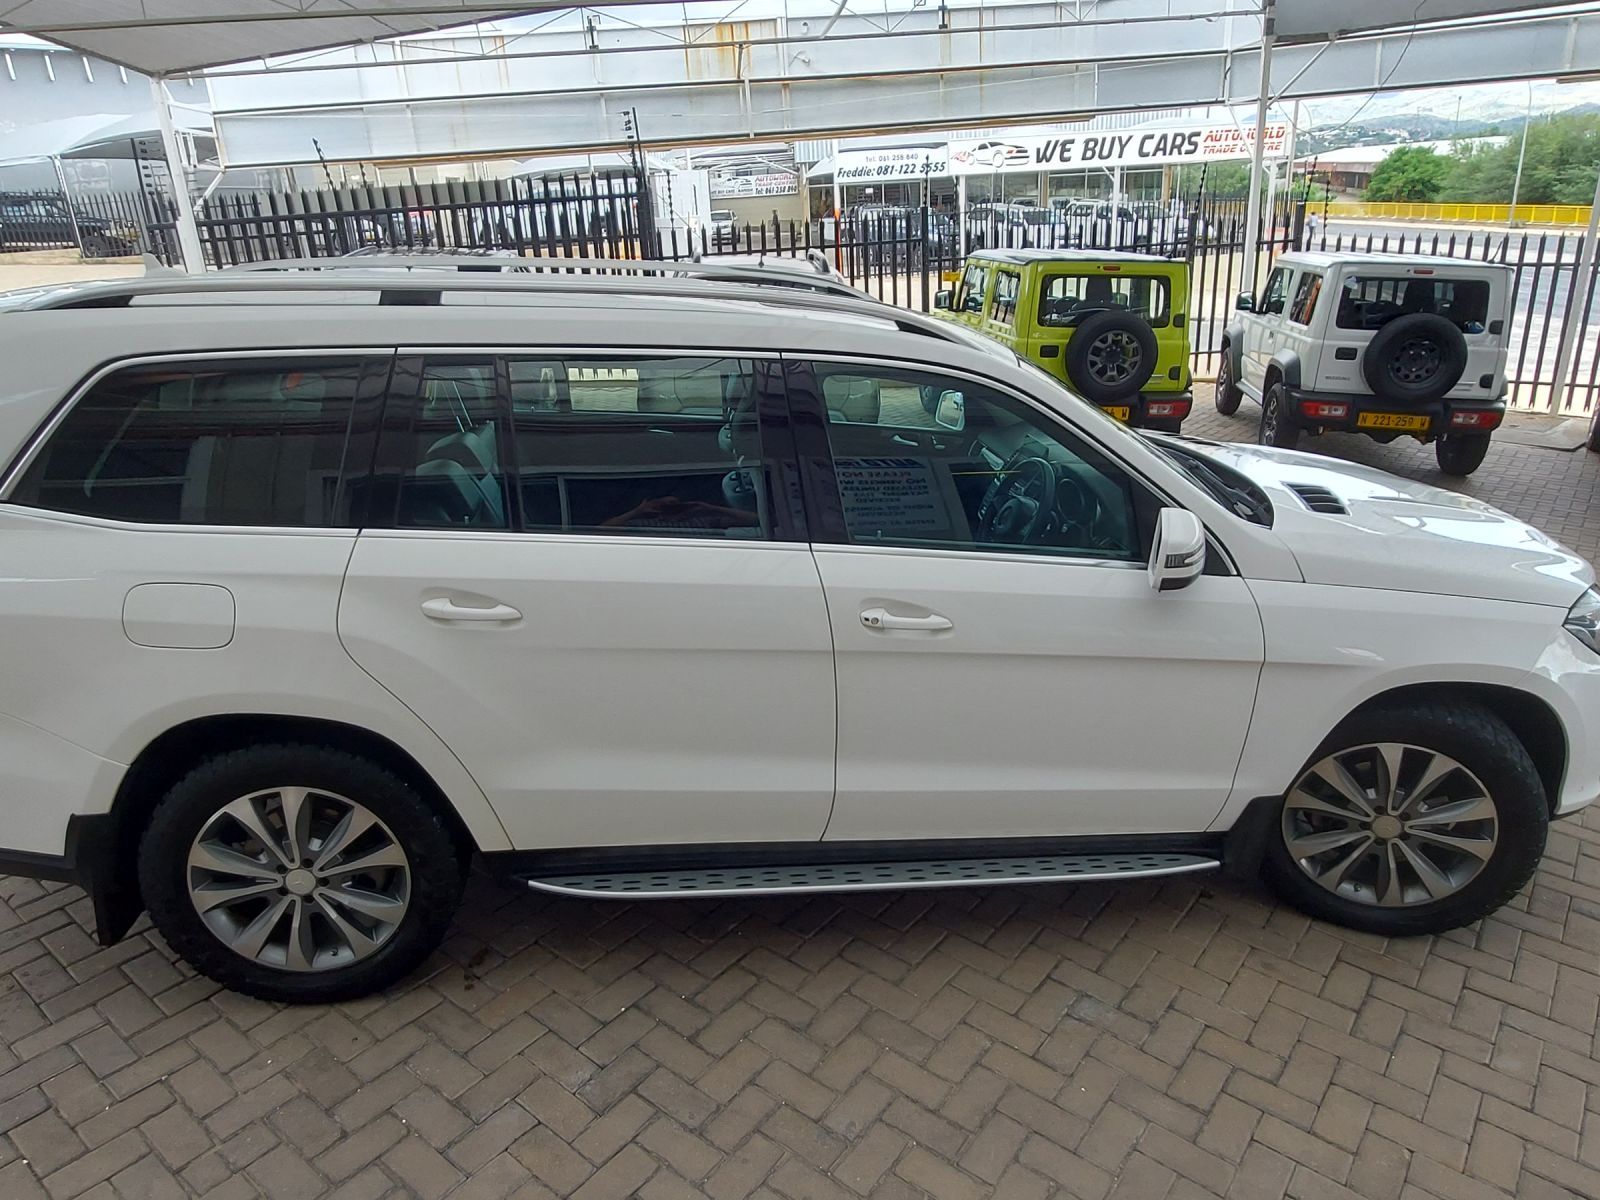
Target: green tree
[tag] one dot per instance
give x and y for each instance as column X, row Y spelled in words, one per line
column 1562, row 158
column 1415, row 173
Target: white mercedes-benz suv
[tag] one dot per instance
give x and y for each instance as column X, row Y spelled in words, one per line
column 318, row 585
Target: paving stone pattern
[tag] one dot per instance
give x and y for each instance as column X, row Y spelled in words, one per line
column 1182, row 1040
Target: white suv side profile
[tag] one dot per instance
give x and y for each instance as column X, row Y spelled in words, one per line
column 318, row 586
column 1380, row 344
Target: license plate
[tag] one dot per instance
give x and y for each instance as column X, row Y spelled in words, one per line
column 1404, row 421
column 1120, row 411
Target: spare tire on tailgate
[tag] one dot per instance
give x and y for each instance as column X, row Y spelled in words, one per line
column 1110, row 356
column 1415, row 358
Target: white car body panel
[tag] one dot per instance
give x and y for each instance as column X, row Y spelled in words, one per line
column 1433, row 540
column 1033, row 716
column 73, row 672
column 653, row 691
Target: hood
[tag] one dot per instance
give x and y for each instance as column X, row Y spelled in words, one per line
column 1356, row 526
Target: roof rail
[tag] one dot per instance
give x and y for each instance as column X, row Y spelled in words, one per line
column 813, row 272
column 724, row 284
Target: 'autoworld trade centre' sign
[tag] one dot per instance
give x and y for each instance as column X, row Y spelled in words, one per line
column 1114, row 148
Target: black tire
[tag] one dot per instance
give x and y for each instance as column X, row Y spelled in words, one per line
column 437, row 865
column 1133, row 373
column 1415, row 358
column 1485, row 745
column 1461, row 453
column 96, row 245
column 1227, row 394
column 1278, row 426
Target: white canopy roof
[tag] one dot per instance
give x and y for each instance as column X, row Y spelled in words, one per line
column 161, row 37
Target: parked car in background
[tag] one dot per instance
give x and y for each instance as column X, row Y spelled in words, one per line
column 637, row 584
column 724, row 227
column 30, row 221
column 1013, row 224
column 889, row 234
column 1385, row 345
column 1112, row 326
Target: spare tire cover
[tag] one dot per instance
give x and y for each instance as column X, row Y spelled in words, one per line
column 1110, row 356
column 1415, row 358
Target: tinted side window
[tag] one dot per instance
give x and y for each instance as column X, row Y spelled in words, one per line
column 1273, row 299
column 450, row 460
column 246, row 442
column 1006, row 285
column 989, row 473
column 973, row 285
column 635, row 445
column 1306, row 293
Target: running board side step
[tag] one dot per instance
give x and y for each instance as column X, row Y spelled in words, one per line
column 872, row 876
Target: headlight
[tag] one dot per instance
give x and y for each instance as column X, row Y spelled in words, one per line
column 1583, row 621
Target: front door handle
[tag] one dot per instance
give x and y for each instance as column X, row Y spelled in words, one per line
column 882, row 618
column 442, row 608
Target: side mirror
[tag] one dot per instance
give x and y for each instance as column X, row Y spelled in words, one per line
column 1246, row 302
column 951, row 412
column 942, row 299
column 1179, row 555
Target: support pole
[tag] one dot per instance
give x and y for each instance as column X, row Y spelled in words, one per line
column 1522, row 154
column 961, row 213
column 194, row 259
column 1572, row 326
column 1252, row 212
column 72, row 209
column 838, row 220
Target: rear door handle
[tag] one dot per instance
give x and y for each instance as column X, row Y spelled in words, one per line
column 882, row 618
column 442, row 608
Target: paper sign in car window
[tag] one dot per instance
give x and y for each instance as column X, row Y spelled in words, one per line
column 891, row 497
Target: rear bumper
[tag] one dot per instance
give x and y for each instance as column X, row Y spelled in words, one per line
column 1153, row 406
column 89, row 861
column 1320, row 411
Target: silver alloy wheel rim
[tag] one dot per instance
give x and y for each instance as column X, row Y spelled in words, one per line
column 299, row 879
column 1390, row 824
column 1269, row 419
column 1112, row 356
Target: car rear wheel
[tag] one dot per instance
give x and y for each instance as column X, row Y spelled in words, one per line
column 1410, row 821
column 1227, row 394
column 1461, row 453
column 1278, row 426
column 299, row 873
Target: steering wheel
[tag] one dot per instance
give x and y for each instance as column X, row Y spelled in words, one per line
column 1080, row 511
column 1020, row 503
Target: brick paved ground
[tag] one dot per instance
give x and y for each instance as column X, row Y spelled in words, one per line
column 1182, row 1040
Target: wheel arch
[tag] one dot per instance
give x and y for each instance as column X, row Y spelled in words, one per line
column 1285, row 366
column 176, row 751
column 1533, row 722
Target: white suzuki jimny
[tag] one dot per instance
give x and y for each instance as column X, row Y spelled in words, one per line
column 1381, row 344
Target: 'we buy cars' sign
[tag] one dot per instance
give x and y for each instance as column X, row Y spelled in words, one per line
column 1114, row 148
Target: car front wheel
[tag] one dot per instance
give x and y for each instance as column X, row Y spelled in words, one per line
column 299, row 873
column 1410, row 821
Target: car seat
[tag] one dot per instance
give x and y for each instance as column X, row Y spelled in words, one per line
column 851, row 398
